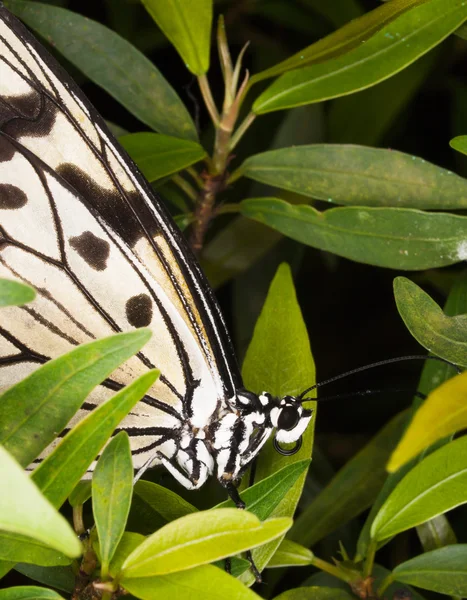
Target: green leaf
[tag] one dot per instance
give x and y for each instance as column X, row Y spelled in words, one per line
column 397, row 238
column 154, row 506
column 290, row 554
column 60, row 578
column 160, row 155
column 341, row 41
column 436, row 533
column 59, row 473
column 199, row 583
column 443, row 571
column 315, row 593
column 15, row 293
column 112, row 486
column 28, row 592
column 46, row 400
column 24, row 510
column 442, row 335
column 112, row 63
column 352, row 490
column 81, row 493
column 459, row 143
column 279, row 360
column 348, row 174
column 265, row 496
column 200, row 538
column 129, row 542
column 437, row 484
column 20, row 548
column 395, row 46
column 188, row 27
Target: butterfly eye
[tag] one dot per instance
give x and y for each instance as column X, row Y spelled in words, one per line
column 288, row 419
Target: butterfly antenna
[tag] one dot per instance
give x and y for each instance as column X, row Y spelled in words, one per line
column 380, row 363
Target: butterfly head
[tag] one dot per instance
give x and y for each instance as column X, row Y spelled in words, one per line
column 290, row 420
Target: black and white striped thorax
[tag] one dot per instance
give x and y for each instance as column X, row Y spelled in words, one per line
column 80, row 224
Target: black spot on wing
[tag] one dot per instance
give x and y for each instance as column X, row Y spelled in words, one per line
column 32, row 115
column 139, row 310
column 12, row 197
column 7, row 150
column 94, row 250
column 27, row 106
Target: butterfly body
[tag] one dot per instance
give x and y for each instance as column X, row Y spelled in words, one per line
column 80, row 224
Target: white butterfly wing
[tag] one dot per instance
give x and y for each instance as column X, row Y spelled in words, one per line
column 80, row 224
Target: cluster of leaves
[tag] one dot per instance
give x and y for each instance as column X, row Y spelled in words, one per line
column 384, row 222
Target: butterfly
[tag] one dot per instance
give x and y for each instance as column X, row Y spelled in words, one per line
column 79, row 223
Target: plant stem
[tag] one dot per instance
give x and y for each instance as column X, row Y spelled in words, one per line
column 231, row 207
column 331, row 569
column 208, row 99
column 370, row 558
column 242, row 128
column 78, row 522
column 186, row 187
column 195, row 176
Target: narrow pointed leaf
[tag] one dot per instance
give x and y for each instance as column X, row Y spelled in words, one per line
column 443, row 413
column 160, row 155
column 112, row 486
column 397, row 238
column 59, row 473
column 81, row 493
column 437, row 484
column 129, row 542
column 349, row 175
column 198, row 539
column 46, row 400
column 188, row 27
column 29, row 592
column 436, row 533
column 443, row 571
column 112, row 63
column 290, row 554
column 442, row 335
column 342, row 40
column 15, row 293
column 21, row 548
column 352, row 490
column 24, row 510
column 199, row 583
column 265, row 496
column 279, row 360
column 395, row 46
column 459, row 143
column 59, row 578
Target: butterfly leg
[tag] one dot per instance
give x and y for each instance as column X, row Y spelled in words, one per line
column 191, row 480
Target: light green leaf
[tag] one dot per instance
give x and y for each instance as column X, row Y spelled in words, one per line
column 81, row 493
column 20, row 548
column 15, row 293
column 46, row 400
column 60, row 578
column 442, row 335
column 279, row 360
column 25, row 511
column 352, row 490
column 315, row 593
column 397, row 238
column 188, row 27
column 357, row 175
column 160, row 155
column 437, row 484
column 112, row 487
column 129, row 542
column 199, row 583
column 349, row 36
column 112, row 63
column 266, row 495
column 290, row 554
column 200, row 538
column 28, row 592
column 59, row 473
column 443, row 571
column 395, row 46
column 459, row 143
